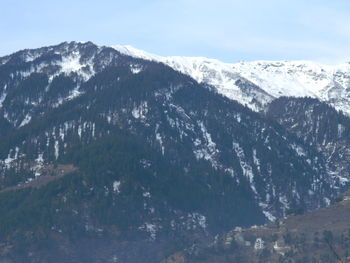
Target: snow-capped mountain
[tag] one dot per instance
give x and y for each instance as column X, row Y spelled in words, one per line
column 266, row 79
column 99, row 143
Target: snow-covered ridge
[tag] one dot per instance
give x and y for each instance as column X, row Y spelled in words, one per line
column 266, row 79
column 254, row 84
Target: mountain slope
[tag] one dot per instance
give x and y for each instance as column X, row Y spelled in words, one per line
column 317, row 236
column 319, row 125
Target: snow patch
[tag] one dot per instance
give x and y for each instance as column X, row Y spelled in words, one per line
column 26, row 120
column 116, row 187
column 146, row 194
column 299, row 150
column 135, row 69
column 246, row 167
column 140, row 111
column 57, row 149
column 267, row 214
column 206, row 150
column 72, row 63
column 39, row 163
column 151, row 229
column 2, row 99
column 159, row 139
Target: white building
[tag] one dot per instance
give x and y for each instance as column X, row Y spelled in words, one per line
column 280, row 247
column 259, row 244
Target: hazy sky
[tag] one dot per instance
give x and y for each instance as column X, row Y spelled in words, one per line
column 230, row 30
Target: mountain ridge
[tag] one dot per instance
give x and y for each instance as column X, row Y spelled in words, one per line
column 271, row 78
column 265, row 80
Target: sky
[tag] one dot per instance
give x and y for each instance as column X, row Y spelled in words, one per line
column 229, row 30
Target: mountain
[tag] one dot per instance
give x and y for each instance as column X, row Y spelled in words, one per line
column 257, row 83
column 106, row 157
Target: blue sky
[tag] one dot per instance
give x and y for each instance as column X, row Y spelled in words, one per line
column 231, row 31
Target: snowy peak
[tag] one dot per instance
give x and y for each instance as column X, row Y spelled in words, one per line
column 66, row 58
column 293, row 78
column 301, row 79
column 196, row 67
column 134, row 52
column 212, row 72
column 264, row 80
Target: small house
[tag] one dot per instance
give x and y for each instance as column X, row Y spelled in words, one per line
column 259, row 244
